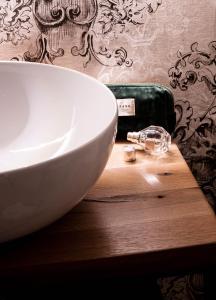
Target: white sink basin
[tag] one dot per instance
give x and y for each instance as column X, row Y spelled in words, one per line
column 57, row 128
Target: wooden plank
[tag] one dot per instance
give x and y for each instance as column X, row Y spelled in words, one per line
column 151, row 206
column 148, row 173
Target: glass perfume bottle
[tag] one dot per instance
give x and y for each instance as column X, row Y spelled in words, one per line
column 154, row 139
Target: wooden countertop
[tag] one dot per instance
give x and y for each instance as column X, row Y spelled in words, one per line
column 144, row 217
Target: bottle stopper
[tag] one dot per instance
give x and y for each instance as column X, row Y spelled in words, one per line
column 129, row 153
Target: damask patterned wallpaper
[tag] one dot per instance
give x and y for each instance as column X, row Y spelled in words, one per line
column 164, row 41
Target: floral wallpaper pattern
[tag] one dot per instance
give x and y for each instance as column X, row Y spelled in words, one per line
column 14, row 21
column 102, row 21
column 118, row 41
column 196, row 133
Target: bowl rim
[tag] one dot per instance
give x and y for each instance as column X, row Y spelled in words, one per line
column 112, row 121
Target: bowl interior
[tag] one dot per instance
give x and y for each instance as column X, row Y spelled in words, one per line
column 47, row 111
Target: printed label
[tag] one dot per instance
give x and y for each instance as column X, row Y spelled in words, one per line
column 126, row 107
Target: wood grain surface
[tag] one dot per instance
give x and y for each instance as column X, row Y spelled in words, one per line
column 146, row 216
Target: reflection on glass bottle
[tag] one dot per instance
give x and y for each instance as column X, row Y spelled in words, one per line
column 153, row 139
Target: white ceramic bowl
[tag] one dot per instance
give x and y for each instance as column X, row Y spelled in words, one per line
column 57, row 128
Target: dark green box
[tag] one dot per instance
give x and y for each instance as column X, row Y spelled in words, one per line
column 154, row 105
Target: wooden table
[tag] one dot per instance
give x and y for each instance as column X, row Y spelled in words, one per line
column 146, row 217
